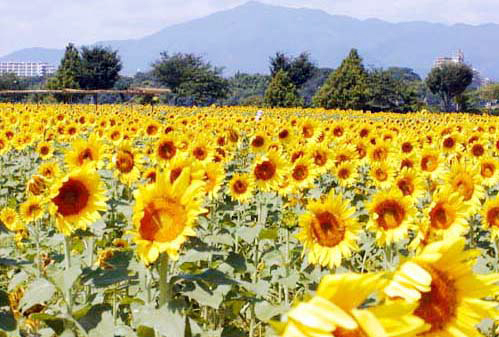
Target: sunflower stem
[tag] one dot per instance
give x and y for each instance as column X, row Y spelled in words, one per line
column 37, row 243
column 67, row 253
column 164, row 291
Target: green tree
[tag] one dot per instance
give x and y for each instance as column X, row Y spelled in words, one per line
column 448, row 81
column 281, row 92
column 388, row 92
column 246, row 86
column 490, row 92
column 68, row 73
column 346, row 87
column 300, row 69
column 10, row 81
column 100, row 68
column 191, row 80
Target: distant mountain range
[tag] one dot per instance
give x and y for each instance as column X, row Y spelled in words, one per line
column 243, row 39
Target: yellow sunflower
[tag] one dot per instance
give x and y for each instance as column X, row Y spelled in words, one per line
column 269, row 170
column 329, row 231
column 85, row 152
column 489, row 170
column 32, row 209
column 214, row 175
column 127, row 162
column 10, row 219
column 409, row 183
column 77, row 199
column 241, row 187
column 49, row 170
column 164, row 215
column 464, row 178
column 450, row 296
column 45, row 150
column 347, row 174
column 391, row 216
column 490, row 217
column 302, row 174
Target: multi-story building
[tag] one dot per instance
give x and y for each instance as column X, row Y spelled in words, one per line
column 27, row 69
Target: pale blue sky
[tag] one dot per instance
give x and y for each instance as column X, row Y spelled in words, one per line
column 54, row 23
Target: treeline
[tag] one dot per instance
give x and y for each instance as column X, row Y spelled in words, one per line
column 293, row 81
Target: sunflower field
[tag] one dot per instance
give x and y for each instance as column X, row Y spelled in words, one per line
column 221, row 221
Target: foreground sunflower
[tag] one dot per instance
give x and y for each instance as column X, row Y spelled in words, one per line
column 241, row 187
column 76, row 200
column 449, row 294
column 337, row 310
column 10, row 219
column 85, row 152
column 164, row 215
column 329, row 231
column 269, row 170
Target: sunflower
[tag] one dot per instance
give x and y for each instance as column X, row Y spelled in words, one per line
column 76, row 200
column 381, row 173
column 337, row 310
column 448, row 293
column 409, row 183
column 490, row 217
column 127, row 163
column 241, row 187
column 391, row 216
column 380, row 152
column 344, row 153
column 85, row 152
column 165, row 149
column 302, row 174
column 214, row 175
column 430, row 163
column 164, row 215
column 269, row 170
column 150, row 175
column 10, row 219
column 329, row 231
column 45, row 150
column 321, row 157
column 49, row 170
column 489, row 170
column 464, row 178
column 259, row 142
column 4, row 145
column 347, row 174
column 32, row 209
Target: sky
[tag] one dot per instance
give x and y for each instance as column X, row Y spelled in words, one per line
column 54, row 23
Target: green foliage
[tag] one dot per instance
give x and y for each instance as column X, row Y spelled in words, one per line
column 100, row 68
column 281, row 92
column 346, row 87
column 449, row 80
column 191, row 79
column 300, row 69
column 388, row 92
column 68, row 73
column 490, row 92
column 309, row 88
column 247, row 89
column 403, row 74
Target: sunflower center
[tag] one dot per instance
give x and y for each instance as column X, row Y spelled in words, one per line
column 465, row 187
column 406, row 163
column 493, row 217
column 200, row 153
column 33, row 209
column 390, row 214
column 283, row 134
column 167, row 150
column 240, row 186
column 364, row 133
column 429, row 163
column 341, row 332
column 487, row 170
column 295, row 155
column 163, row 220
column 174, row 174
column 85, row 155
column 407, row 147
column 300, row 172
column 380, row 154
column 308, row 131
column 265, row 170
column 44, row 150
column 124, row 161
column 72, row 198
column 320, row 159
column 258, row 141
column 338, row 132
column 152, row 130
column 438, row 306
column 381, row 174
column 449, row 143
column 361, row 151
column 406, row 186
column 343, row 173
column 441, row 217
column 328, row 230
column 477, row 150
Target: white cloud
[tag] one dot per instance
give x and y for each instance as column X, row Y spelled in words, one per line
column 54, row 23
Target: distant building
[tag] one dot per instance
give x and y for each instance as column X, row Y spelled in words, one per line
column 27, row 69
column 478, row 79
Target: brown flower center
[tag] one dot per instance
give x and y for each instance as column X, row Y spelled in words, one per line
column 464, row 185
column 124, row 161
column 85, row 155
column 341, row 332
column 429, row 163
column 308, row 131
column 442, row 216
column 449, row 143
column 72, row 198
column 166, row 150
column 265, row 170
column 380, row 174
column 327, row 229
column 438, row 306
column 240, row 186
column 300, row 172
column 487, row 170
column 407, row 147
column 391, row 214
column 477, row 150
column 152, row 130
column 493, row 217
column 44, row 150
column 163, row 220
column 200, row 153
column 406, row 186
column 320, row 158
column 258, row 141
column 283, row 134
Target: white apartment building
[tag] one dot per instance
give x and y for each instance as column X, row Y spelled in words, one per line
column 27, row 69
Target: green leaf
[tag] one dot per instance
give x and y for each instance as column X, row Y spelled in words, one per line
column 249, row 234
column 268, row 233
column 7, row 320
column 39, row 292
column 265, row 311
column 163, row 320
column 92, row 318
column 17, row 279
column 105, row 328
column 145, row 331
column 209, row 298
column 54, row 322
column 65, row 279
column 4, row 299
column 209, row 275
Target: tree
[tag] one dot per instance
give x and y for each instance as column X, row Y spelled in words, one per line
column 300, row 69
column 68, row 73
column 245, row 88
column 281, row 92
column 346, row 87
column 490, row 92
column 388, row 92
column 448, row 81
column 190, row 78
column 10, row 81
column 403, row 74
column 100, row 68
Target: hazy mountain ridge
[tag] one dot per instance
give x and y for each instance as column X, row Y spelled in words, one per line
column 243, row 39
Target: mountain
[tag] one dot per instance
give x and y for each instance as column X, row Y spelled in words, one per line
column 243, row 39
